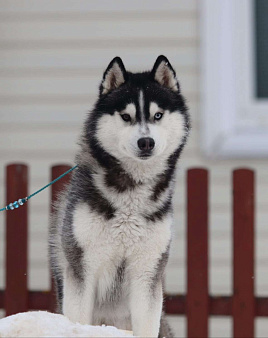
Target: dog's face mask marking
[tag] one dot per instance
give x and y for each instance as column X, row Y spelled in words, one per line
column 141, row 115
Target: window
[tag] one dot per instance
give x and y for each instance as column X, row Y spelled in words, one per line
column 234, row 95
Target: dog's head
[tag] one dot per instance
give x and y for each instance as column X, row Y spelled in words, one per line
column 139, row 115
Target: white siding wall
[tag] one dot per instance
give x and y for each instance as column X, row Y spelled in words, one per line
column 52, row 55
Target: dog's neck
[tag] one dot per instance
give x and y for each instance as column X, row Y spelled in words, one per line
column 145, row 170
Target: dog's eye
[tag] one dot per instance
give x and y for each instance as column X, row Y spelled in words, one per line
column 126, row 117
column 158, row 116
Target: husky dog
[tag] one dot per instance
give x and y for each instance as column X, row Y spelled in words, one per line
column 111, row 231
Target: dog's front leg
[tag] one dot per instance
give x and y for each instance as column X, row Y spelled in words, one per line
column 146, row 306
column 78, row 298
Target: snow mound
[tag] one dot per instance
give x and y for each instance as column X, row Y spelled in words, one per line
column 46, row 324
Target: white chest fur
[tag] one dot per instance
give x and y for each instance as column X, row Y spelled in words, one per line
column 125, row 229
column 126, row 236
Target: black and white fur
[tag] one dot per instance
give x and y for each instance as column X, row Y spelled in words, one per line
column 110, row 237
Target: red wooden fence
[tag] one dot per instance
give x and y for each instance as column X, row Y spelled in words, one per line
column 197, row 305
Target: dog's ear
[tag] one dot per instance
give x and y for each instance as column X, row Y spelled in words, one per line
column 114, row 76
column 164, row 74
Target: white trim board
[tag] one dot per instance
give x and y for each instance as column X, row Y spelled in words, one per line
column 234, row 124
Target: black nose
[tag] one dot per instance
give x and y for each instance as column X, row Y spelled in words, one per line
column 146, row 143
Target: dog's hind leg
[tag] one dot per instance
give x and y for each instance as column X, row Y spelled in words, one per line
column 78, row 299
column 165, row 330
column 59, row 291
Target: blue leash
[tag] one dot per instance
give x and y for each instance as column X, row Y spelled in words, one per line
column 21, row 201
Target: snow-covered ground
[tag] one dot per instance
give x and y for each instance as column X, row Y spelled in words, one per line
column 46, row 324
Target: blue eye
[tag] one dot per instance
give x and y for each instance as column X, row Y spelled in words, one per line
column 158, row 116
column 126, row 117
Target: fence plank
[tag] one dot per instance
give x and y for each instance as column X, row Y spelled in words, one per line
column 56, row 171
column 16, row 294
column 197, row 253
column 175, row 304
column 243, row 253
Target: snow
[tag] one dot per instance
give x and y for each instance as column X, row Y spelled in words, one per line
column 46, row 324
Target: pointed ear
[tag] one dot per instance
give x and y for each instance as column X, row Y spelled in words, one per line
column 164, row 74
column 114, row 76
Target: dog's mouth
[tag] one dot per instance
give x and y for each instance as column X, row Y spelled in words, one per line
column 145, row 155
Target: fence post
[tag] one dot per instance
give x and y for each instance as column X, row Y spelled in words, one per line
column 56, row 171
column 197, row 253
column 243, row 253
column 16, row 294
